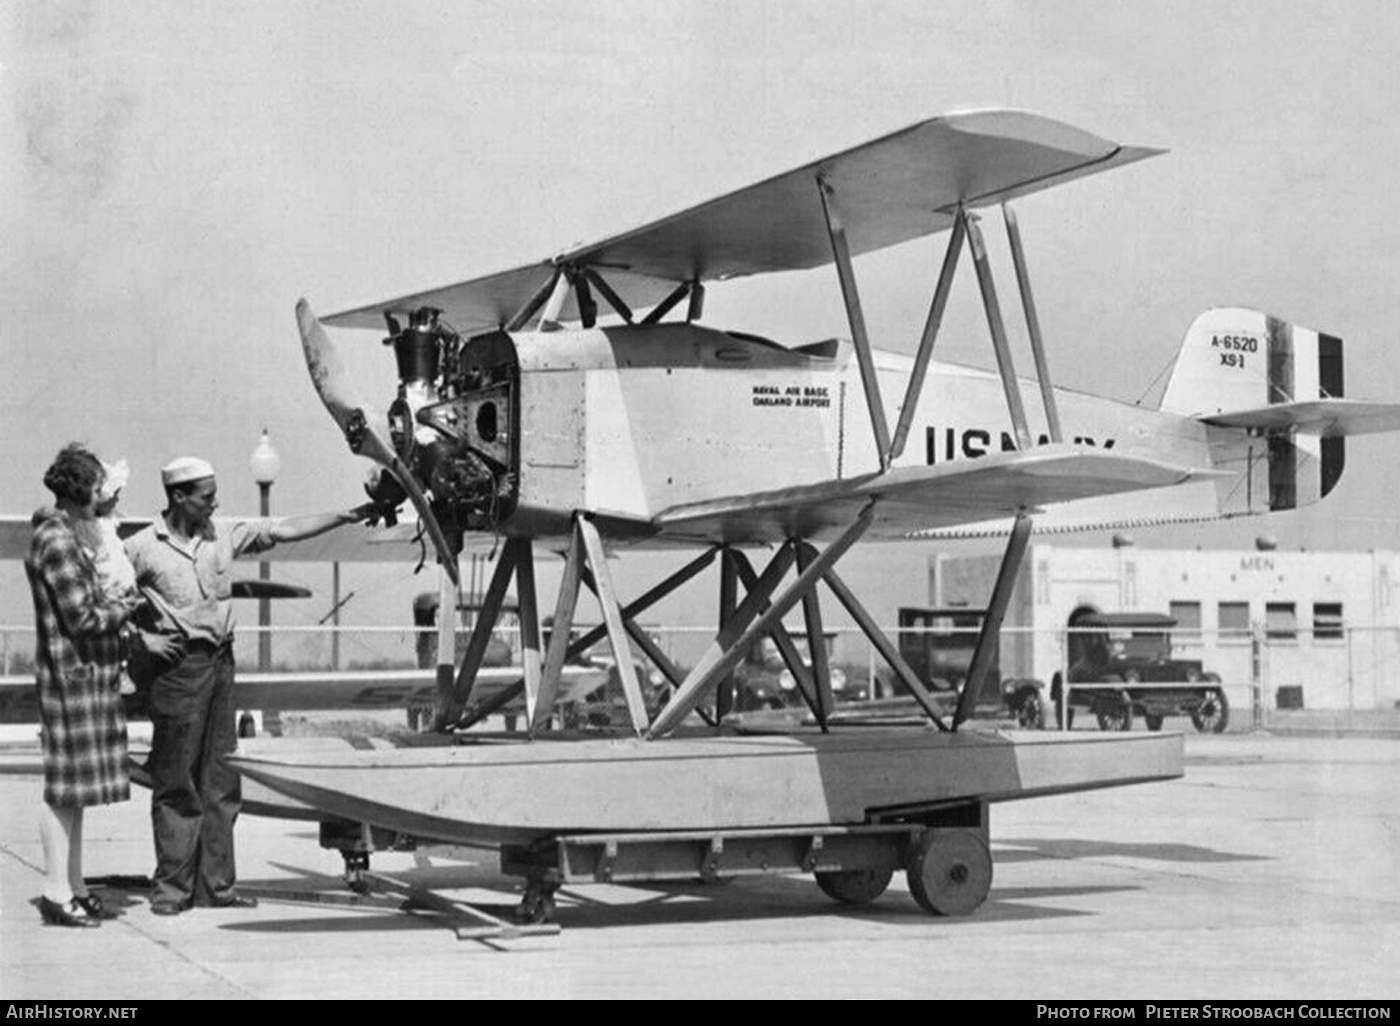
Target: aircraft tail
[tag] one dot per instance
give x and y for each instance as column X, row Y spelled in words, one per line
column 1281, row 384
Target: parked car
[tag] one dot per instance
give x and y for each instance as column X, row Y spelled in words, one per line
column 606, row 705
column 763, row 681
column 1134, row 650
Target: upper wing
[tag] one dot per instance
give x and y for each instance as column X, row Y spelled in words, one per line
column 896, row 188
column 912, row 499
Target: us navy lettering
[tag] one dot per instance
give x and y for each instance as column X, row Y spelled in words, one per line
column 944, row 444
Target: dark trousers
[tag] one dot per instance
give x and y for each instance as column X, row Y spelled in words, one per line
column 194, row 792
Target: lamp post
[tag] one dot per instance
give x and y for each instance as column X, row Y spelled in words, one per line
column 265, row 465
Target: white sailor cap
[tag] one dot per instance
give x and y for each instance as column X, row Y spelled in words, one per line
column 185, row 468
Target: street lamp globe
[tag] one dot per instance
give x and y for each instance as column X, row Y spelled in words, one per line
column 265, row 463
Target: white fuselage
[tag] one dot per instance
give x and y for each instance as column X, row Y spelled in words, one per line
column 633, row 421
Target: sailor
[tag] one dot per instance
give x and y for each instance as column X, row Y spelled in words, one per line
column 183, row 563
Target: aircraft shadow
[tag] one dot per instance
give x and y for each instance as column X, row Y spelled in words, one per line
column 651, row 902
column 582, row 908
column 1027, row 849
column 758, row 898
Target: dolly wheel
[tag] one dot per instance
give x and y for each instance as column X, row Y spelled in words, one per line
column 950, row 871
column 854, row 886
column 356, row 870
column 537, row 906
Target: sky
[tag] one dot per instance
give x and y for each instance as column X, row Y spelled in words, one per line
column 176, row 174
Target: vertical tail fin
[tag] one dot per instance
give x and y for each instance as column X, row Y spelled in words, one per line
column 1234, row 359
column 1237, row 359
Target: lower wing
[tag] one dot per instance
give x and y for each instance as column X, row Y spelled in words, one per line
column 910, row 500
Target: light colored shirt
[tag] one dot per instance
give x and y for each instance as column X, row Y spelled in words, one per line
column 190, row 581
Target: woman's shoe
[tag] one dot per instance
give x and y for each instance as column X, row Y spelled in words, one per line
column 95, row 907
column 72, row 915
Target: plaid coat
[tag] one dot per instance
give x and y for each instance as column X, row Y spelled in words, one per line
column 77, row 660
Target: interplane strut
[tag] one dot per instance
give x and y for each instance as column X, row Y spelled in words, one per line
column 1005, row 365
column 842, row 254
column 930, row 334
column 1042, row 365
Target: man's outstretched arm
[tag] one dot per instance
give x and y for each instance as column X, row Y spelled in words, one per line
column 290, row 529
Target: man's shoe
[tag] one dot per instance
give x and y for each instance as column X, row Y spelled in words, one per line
column 168, row 907
column 233, row 901
column 72, row 914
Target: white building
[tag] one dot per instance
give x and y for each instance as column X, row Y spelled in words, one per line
column 1320, row 629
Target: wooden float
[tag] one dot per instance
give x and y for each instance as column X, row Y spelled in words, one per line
column 497, row 792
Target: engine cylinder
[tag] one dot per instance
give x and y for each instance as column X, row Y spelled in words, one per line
column 418, row 353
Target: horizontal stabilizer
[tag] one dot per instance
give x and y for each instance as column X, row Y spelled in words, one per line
column 1330, row 418
column 1244, row 370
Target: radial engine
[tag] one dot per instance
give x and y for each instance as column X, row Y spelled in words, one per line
column 453, row 422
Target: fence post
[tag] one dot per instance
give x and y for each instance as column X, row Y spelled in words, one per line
column 1256, row 672
column 1062, row 714
column 870, row 669
column 1351, row 681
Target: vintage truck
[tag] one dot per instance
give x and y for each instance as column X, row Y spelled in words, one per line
column 1127, row 658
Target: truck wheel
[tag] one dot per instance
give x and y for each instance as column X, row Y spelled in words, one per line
column 950, row 871
column 854, row 886
column 1212, row 716
column 1154, row 721
column 1114, row 711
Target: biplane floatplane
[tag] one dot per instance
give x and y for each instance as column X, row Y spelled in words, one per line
column 541, row 409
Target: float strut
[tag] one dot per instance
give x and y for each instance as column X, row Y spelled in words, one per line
column 989, row 640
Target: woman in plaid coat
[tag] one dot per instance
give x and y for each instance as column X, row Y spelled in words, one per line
column 78, row 660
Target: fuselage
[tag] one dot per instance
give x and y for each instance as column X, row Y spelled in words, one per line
column 631, row 421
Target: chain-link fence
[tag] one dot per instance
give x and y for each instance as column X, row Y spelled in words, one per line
column 1102, row 677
